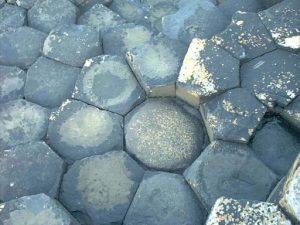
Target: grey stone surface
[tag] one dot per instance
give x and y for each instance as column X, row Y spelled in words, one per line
column 72, row 44
column 29, row 169
column 108, row 83
column 11, row 16
column 47, row 14
column 2, row 2
column 274, row 77
column 12, row 80
column 156, row 65
column 26, row 4
column 276, row 193
column 85, row 5
column 163, row 135
column 101, row 187
column 164, row 198
column 77, row 130
column 20, row 122
column 35, row 210
column 207, row 71
column 20, row 46
column 269, row 3
column 292, row 113
column 231, row 170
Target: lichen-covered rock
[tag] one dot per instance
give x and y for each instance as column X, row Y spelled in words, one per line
column 29, row 169
column 20, row 46
column 101, row 187
column 274, row 77
column 164, row 198
column 11, row 16
column 108, row 83
column 156, row 65
column 47, row 14
column 77, row 130
column 21, row 122
column 12, row 80
column 35, row 210
column 207, row 71
column 231, row 211
column 292, row 113
column 72, row 44
column 283, row 22
column 231, row 170
column 163, row 135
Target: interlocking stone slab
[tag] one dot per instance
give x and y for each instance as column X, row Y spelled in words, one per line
column 85, row 5
column 107, row 82
column 20, row 46
column 11, row 16
column 232, row 116
column 164, row 198
column 282, row 21
column 274, row 77
column 12, row 80
column 46, row 15
column 72, row 44
column 231, row 170
column 292, row 113
column 77, row 130
column 232, row 211
column 101, row 187
column 156, row 65
column 29, row 169
column 207, row 71
column 163, row 135
column 35, row 210
column 20, row 122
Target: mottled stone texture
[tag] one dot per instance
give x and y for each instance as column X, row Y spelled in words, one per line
column 11, row 17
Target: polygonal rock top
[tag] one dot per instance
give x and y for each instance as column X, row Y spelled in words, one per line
column 11, row 16
column 292, row 112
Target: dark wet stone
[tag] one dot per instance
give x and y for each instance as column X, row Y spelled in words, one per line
column 101, row 187
column 20, row 122
column 11, row 16
column 35, row 210
column 269, row 3
column 276, row 193
column 231, row 170
column 292, row 113
column 108, row 83
column 164, row 198
column 72, row 44
column 77, row 130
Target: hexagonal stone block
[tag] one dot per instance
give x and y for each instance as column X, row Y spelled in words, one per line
column 232, row 116
column 274, row 77
column 20, row 46
column 163, row 135
column 164, row 198
column 21, row 122
column 207, row 71
column 36, row 209
column 101, row 198
column 46, row 15
column 49, row 82
column 119, row 39
column 29, row 169
column 292, row 113
column 231, row 211
column 77, row 130
column 72, row 44
column 11, row 16
column 231, row 170
column 12, row 80
column 108, row 83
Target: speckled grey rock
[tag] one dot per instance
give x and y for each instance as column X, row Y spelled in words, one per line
column 26, row 4
column 21, row 46
column 163, row 135
column 77, row 130
column 283, row 22
column 292, row 113
column 274, row 77
column 231, row 211
column 29, row 169
column 21, row 122
column 231, row 170
column 85, row 5
column 232, row 116
column 156, row 65
column 72, row 44
column 164, row 198
column 49, row 83
column 108, row 83
column 47, row 14
column 12, row 80
column 101, row 187
column 11, row 16
column 207, row 71
column 35, row 210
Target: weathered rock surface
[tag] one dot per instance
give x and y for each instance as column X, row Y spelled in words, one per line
column 11, row 16
column 292, row 113
column 85, row 5
column 26, row 4
column 229, row 7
